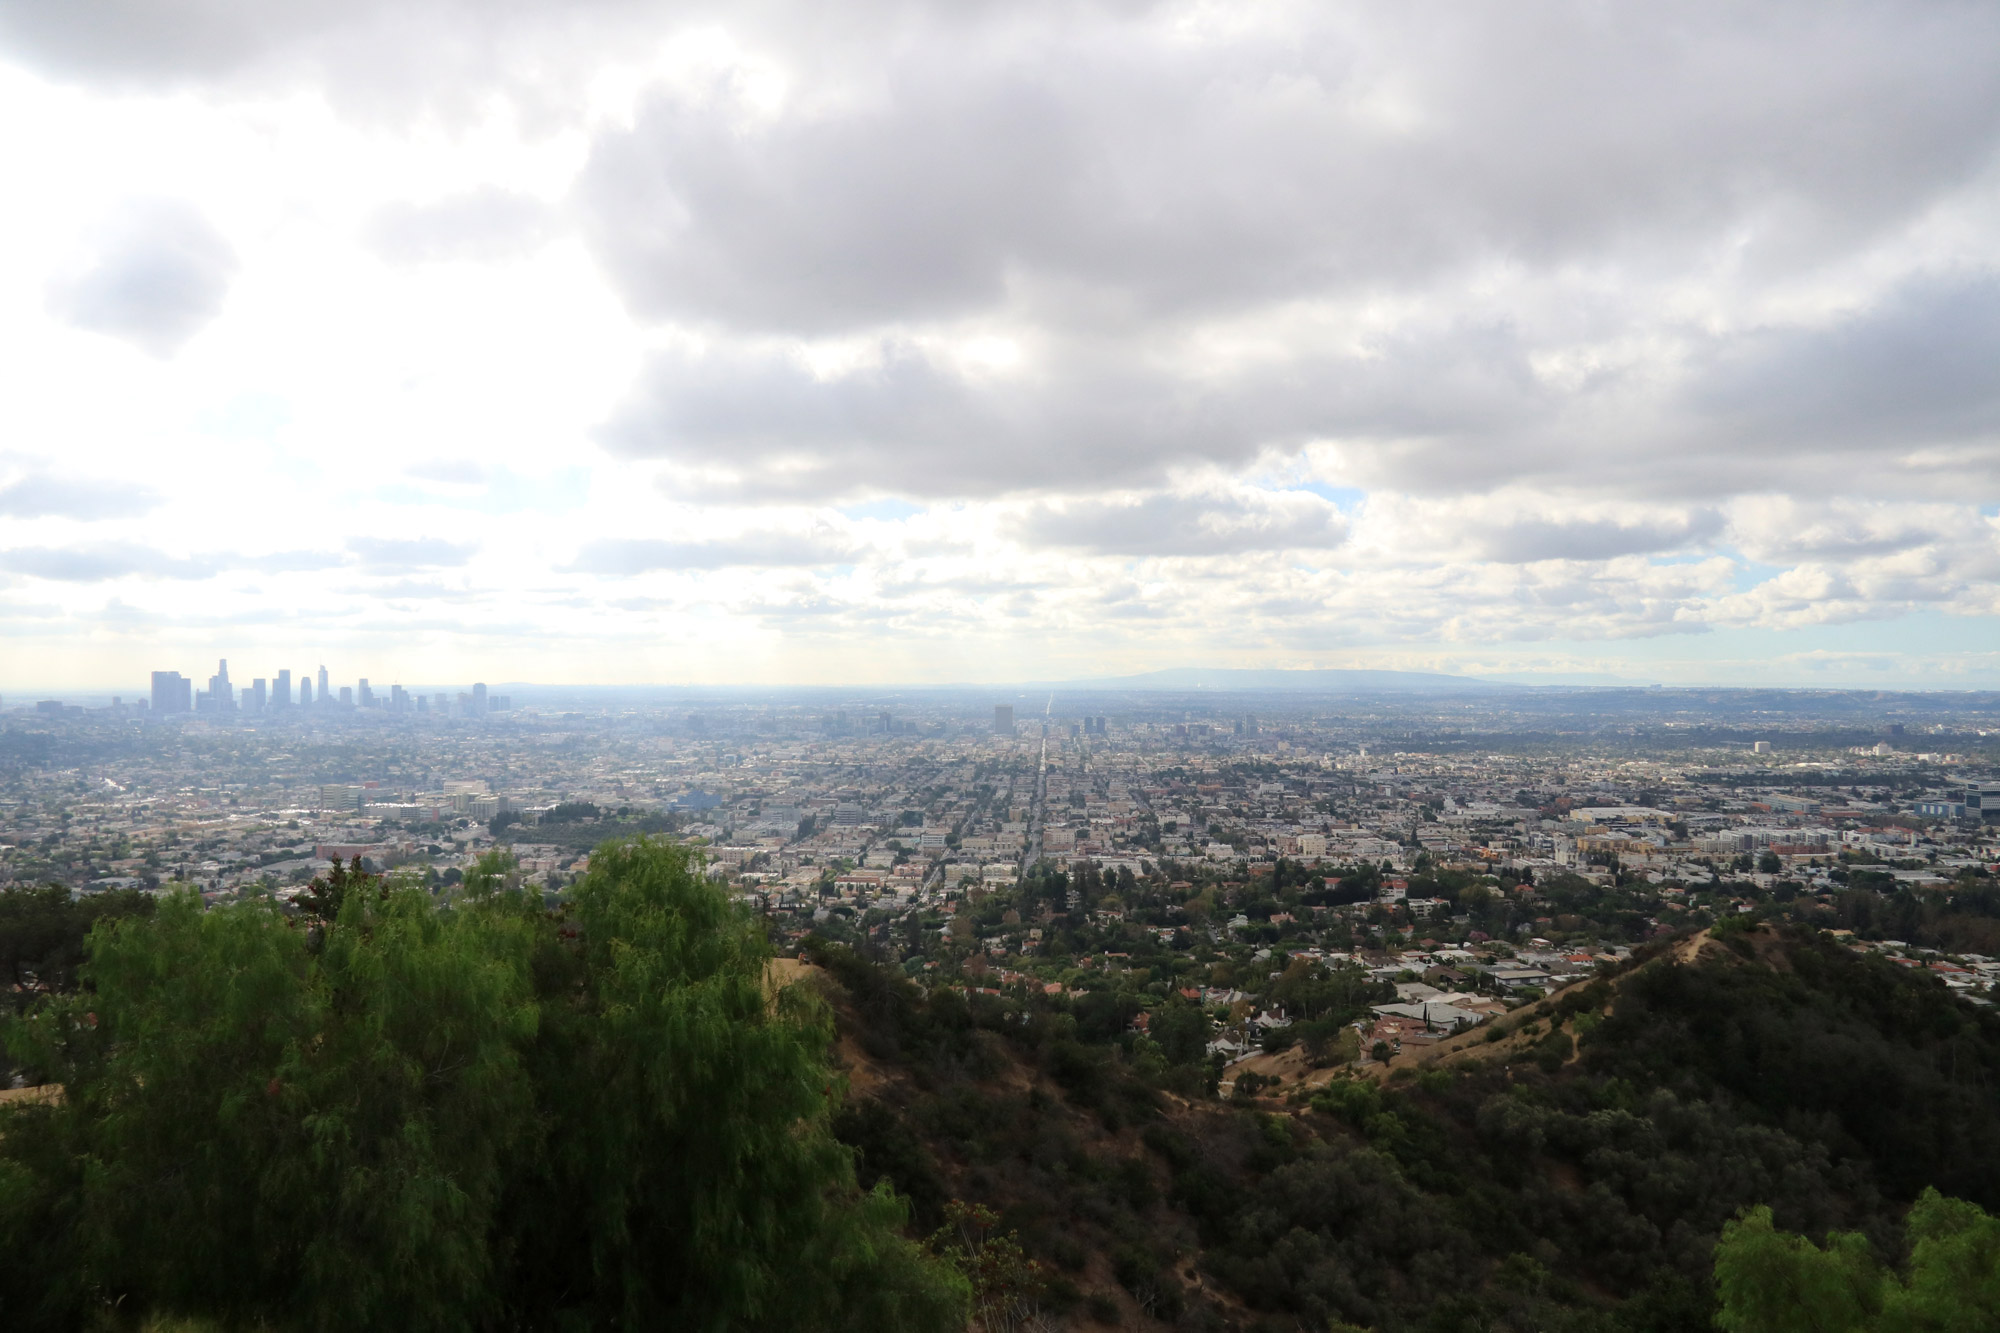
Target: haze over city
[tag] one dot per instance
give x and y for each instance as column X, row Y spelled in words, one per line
column 939, row 343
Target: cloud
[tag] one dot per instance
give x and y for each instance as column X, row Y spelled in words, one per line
column 41, row 496
column 105, row 560
column 156, row 277
column 1610, row 311
column 450, row 471
column 1189, row 525
column 761, row 422
column 486, row 224
column 765, row 549
column 1519, row 541
column 391, row 554
column 293, row 562
column 1114, row 162
column 1915, row 367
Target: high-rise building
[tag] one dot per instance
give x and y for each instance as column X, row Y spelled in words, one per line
column 347, row 696
column 221, row 694
column 340, row 796
column 325, row 697
column 399, row 699
column 478, row 699
column 281, row 690
column 172, row 693
column 1003, row 719
column 305, row 691
column 255, row 696
column 367, row 695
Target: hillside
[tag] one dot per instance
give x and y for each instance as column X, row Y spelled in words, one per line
column 1573, row 1174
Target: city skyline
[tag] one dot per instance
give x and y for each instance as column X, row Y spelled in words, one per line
column 934, row 344
column 171, row 692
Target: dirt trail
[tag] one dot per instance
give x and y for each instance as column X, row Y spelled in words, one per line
column 1689, row 949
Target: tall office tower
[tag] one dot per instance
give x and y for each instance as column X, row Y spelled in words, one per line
column 255, row 695
column 423, row 703
column 325, row 697
column 367, row 695
column 347, row 696
column 171, row 693
column 221, row 694
column 281, row 690
column 1003, row 719
column 399, row 699
column 305, row 691
column 464, row 704
column 478, row 699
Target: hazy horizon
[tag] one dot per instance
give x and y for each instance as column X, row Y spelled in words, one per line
column 912, row 344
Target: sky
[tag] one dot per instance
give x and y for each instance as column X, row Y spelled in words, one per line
column 592, row 341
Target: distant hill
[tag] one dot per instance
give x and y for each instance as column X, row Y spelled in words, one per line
column 1569, row 1166
column 1334, row 681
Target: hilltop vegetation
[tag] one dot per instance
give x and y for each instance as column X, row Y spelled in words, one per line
column 387, row 1111
column 1579, row 1180
column 381, row 1108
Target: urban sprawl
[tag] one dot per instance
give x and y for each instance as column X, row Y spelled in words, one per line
column 1451, row 856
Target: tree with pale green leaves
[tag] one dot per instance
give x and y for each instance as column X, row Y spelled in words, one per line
column 1771, row 1281
column 469, row 1115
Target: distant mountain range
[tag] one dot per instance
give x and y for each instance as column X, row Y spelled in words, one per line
column 1334, row 681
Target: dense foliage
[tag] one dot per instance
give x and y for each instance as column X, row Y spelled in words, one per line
column 1548, row 1192
column 384, row 1112
column 1772, row 1282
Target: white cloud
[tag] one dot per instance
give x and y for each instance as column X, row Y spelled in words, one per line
column 1603, row 326
column 155, row 276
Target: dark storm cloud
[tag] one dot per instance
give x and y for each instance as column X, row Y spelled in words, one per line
column 1522, row 541
column 485, row 224
column 156, row 277
column 1169, row 525
column 766, row 549
column 41, row 496
column 387, row 554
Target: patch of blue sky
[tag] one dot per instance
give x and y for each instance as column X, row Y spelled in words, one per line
column 1749, row 573
column 1345, row 498
column 888, row 511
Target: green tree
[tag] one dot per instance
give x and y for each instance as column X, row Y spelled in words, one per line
column 454, row 1116
column 1770, row 1281
column 1181, row 1029
column 1954, row 1281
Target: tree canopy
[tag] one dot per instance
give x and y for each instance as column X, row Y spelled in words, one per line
column 480, row 1114
column 1771, row 1281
